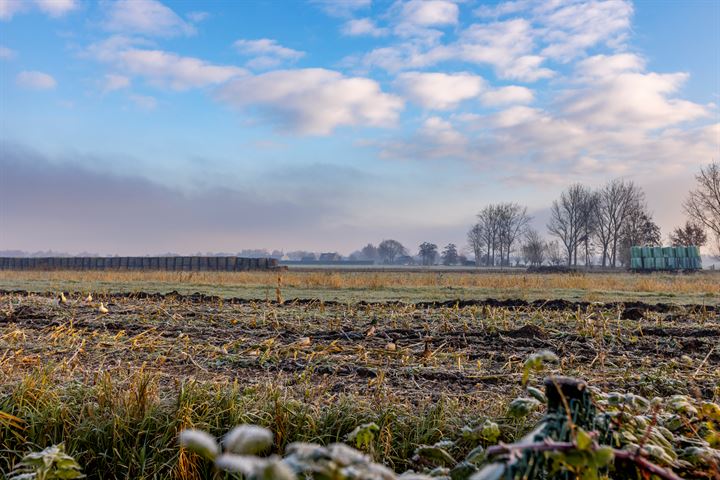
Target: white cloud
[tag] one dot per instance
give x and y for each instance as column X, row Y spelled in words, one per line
column 114, row 82
column 35, row 80
column 363, row 26
column 267, row 52
column 600, row 66
column 158, row 67
column 430, row 12
column 507, row 46
column 7, row 53
column 144, row 102
column 437, row 138
column 53, row 8
column 441, row 132
column 632, row 101
column 573, row 28
column 56, row 8
column 507, row 95
column 342, row 8
column 314, row 100
column 517, row 47
column 180, row 73
column 517, row 115
column 439, row 91
column 197, row 17
column 145, row 17
column 8, row 8
column 501, row 9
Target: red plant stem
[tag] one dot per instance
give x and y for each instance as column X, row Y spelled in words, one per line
column 640, row 461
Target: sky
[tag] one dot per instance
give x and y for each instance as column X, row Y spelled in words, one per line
column 139, row 126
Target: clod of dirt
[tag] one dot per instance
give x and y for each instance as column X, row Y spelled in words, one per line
column 527, row 331
column 633, row 313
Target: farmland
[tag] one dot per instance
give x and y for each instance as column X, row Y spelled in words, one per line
column 420, row 354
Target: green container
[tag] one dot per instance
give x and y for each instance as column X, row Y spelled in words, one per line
column 657, row 252
column 680, row 252
column 683, row 263
column 693, row 251
column 660, row 263
column 671, row 263
column 668, row 252
column 635, row 252
column 645, row 252
column 648, row 263
column 636, row 263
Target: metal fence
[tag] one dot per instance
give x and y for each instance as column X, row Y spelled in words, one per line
column 185, row 264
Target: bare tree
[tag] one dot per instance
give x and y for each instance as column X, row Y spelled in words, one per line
column 552, row 250
column 389, row 250
column 588, row 226
column 616, row 201
column 638, row 229
column 703, row 203
column 497, row 231
column 690, row 234
column 512, row 223
column 476, row 241
column 428, row 253
column 534, row 248
column 568, row 219
column 488, row 220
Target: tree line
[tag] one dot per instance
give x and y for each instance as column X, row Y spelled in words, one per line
column 586, row 226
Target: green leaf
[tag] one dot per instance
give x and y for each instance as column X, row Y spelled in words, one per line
column 583, row 440
column 603, row 456
column 363, row 435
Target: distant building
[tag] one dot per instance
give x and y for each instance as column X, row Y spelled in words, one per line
column 330, row 257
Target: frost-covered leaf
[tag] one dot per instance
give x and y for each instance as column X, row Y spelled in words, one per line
column 537, row 394
column 199, row 442
column 522, row 407
column 248, row 465
column 248, row 439
column 535, row 362
column 435, row 455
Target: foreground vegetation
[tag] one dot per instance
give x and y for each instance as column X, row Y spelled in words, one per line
column 117, row 388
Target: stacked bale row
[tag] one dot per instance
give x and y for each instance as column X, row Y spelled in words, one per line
column 665, row 258
column 189, row 264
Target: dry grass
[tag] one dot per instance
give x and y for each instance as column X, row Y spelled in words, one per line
column 707, row 283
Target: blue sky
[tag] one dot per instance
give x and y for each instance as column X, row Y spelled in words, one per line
column 139, row 126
